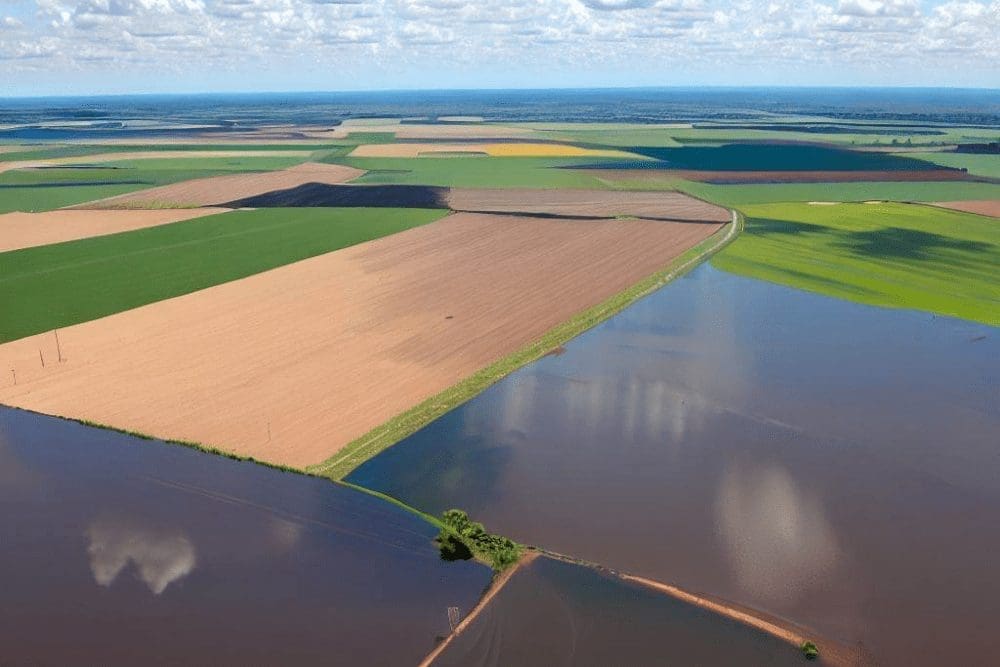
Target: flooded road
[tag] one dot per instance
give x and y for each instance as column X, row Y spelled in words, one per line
column 119, row 551
column 553, row 614
column 834, row 464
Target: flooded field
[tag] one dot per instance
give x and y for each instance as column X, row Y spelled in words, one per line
column 830, row 463
column 122, row 552
column 553, row 613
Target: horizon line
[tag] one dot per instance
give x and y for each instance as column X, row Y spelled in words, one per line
column 503, row 89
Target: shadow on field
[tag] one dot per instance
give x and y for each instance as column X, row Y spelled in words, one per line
column 322, row 194
column 908, row 243
column 772, row 226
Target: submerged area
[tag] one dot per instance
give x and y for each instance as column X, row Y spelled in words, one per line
column 827, row 462
column 553, row 613
column 121, row 552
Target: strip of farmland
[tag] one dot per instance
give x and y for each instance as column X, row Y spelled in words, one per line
column 290, row 365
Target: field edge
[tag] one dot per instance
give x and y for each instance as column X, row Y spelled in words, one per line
column 384, row 436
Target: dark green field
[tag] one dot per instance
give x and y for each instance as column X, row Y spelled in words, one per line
column 54, row 286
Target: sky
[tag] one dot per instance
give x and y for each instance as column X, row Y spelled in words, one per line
column 52, row 47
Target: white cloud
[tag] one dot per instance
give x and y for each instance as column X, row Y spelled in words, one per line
column 539, row 41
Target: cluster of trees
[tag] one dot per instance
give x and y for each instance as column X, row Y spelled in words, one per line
column 462, row 537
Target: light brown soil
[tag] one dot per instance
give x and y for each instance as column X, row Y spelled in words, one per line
column 217, row 190
column 290, row 365
column 589, row 203
column 25, row 230
column 988, row 207
column 726, row 177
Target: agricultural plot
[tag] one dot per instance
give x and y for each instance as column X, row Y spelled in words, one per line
column 290, row 365
column 507, row 149
column 979, row 165
column 885, row 254
column 218, row 190
column 989, row 208
column 26, row 230
column 55, row 286
column 551, row 203
column 45, row 189
column 500, row 172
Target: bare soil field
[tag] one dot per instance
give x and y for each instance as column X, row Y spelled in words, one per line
column 26, row 230
column 552, row 203
column 217, row 190
column 588, row 203
column 988, row 207
column 735, row 177
column 290, row 365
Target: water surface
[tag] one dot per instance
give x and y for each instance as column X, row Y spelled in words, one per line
column 823, row 461
column 118, row 551
column 553, row 614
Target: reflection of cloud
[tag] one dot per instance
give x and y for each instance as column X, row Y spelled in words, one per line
column 777, row 538
column 286, row 534
column 161, row 558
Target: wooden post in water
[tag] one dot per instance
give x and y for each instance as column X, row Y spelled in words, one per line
column 454, row 617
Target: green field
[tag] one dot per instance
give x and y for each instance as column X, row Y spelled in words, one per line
column 494, row 172
column 894, row 255
column 740, row 195
column 638, row 135
column 980, row 165
column 51, row 188
column 58, row 285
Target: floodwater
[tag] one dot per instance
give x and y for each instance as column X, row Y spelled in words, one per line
column 553, row 614
column 826, row 462
column 115, row 551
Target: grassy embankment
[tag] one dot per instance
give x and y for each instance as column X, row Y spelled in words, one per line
column 382, row 437
column 54, row 286
column 890, row 254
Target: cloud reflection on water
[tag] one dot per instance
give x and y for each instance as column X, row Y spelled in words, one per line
column 160, row 557
column 775, row 536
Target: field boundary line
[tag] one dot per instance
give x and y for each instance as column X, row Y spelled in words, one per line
column 408, row 422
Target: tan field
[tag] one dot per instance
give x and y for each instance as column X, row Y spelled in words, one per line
column 217, row 190
column 587, row 203
column 290, row 365
column 428, row 131
column 25, row 230
column 988, row 207
column 505, row 149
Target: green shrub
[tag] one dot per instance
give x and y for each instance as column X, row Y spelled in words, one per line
column 809, row 650
column 500, row 552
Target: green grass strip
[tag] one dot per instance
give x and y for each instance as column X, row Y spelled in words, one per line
column 382, row 437
column 54, row 286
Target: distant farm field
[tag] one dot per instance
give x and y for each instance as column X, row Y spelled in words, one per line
column 499, row 172
column 54, row 286
column 884, row 254
column 739, row 195
column 980, row 165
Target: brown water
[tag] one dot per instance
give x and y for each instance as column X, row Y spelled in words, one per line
column 115, row 551
column 552, row 614
column 831, row 463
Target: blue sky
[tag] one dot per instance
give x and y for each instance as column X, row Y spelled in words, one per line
column 137, row 46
